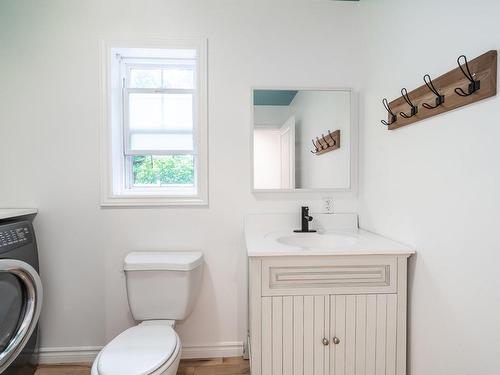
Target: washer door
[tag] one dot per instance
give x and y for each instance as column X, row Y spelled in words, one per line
column 21, row 295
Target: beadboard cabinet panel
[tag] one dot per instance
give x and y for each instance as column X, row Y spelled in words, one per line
column 365, row 332
column 292, row 335
column 328, row 334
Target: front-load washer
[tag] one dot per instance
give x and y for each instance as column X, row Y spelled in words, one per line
column 21, row 298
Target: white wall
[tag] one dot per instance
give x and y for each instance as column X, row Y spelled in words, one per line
column 270, row 115
column 316, row 112
column 49, row 156
column 436, row 184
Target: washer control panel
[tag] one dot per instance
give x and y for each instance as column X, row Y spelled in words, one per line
column 14, row 235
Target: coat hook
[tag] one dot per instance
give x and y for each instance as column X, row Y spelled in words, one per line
column 325, row 140
column 439, row 97
column 414, row 108
column 333, row 139
column 473, row 85
column 315, row 146
column 394, row 118
column 320, row 144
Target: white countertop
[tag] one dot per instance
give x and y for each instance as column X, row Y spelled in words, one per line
column 8, row 213
column 262, row 232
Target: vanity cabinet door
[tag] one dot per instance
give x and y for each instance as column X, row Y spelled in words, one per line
column 363, row 334
column 295, row 335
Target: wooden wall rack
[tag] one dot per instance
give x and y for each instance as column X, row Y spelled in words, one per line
column 326, row 143
column 483, row 69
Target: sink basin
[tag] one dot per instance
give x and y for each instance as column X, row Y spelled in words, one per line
column 317, row 240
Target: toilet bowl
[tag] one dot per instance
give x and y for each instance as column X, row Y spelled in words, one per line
column 161, row 289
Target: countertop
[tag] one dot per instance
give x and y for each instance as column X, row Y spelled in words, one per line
column 262, row 232
column 8, row 213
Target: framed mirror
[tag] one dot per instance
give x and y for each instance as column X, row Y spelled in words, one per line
column 304, row 140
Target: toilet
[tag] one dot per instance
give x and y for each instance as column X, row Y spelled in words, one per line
column 162, row 288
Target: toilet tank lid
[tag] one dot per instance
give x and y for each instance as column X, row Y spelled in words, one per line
column 163, row 260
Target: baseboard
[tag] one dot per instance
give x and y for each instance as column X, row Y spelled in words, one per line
column 223, row 349
column 82, row 354
column 87, row 354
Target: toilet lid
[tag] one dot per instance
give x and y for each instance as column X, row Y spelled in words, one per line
column 139, row 350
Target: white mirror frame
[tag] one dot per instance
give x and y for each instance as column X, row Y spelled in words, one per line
column 354, row 146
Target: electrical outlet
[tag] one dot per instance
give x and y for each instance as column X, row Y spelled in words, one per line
column 328, row 205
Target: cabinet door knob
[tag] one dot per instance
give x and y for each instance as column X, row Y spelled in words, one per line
column 336, row 340
column 325, row 341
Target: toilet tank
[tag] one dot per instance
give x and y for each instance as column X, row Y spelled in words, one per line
column 163, row 284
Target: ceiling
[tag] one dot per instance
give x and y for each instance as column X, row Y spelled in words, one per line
column 273, row 97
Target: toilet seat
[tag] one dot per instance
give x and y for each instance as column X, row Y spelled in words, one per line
column 149, row 348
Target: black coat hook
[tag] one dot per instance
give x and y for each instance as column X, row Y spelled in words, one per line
column 315, row 147
column 439, row 97
column 473, row 85
column 414, row 108
column 394, row 118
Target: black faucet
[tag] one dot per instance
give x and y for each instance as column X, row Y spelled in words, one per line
column 305, row 221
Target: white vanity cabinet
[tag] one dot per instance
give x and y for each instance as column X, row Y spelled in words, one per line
column 331, row 314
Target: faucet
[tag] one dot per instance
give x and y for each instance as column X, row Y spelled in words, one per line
column 305, row 218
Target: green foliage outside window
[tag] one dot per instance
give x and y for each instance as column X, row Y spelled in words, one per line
column 163, row 170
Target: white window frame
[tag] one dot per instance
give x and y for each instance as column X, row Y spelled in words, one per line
column 116, row 188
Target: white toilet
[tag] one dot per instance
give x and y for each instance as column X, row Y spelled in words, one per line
column 162, row 287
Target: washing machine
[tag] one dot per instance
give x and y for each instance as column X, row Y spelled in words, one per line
column 20, row 297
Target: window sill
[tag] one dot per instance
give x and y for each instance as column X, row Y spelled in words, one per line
column 157, row 201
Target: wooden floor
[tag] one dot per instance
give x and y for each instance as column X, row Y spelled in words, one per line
column 215, row 366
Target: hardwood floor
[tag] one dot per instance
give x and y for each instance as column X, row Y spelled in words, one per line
column 214, row 366
column 82, row 369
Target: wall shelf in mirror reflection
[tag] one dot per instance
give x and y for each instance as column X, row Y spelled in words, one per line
column 327, row 143
column 285, row 120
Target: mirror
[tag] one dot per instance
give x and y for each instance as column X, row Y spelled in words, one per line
column 303, row 139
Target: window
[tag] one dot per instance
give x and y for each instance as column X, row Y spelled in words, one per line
column 155, row 125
